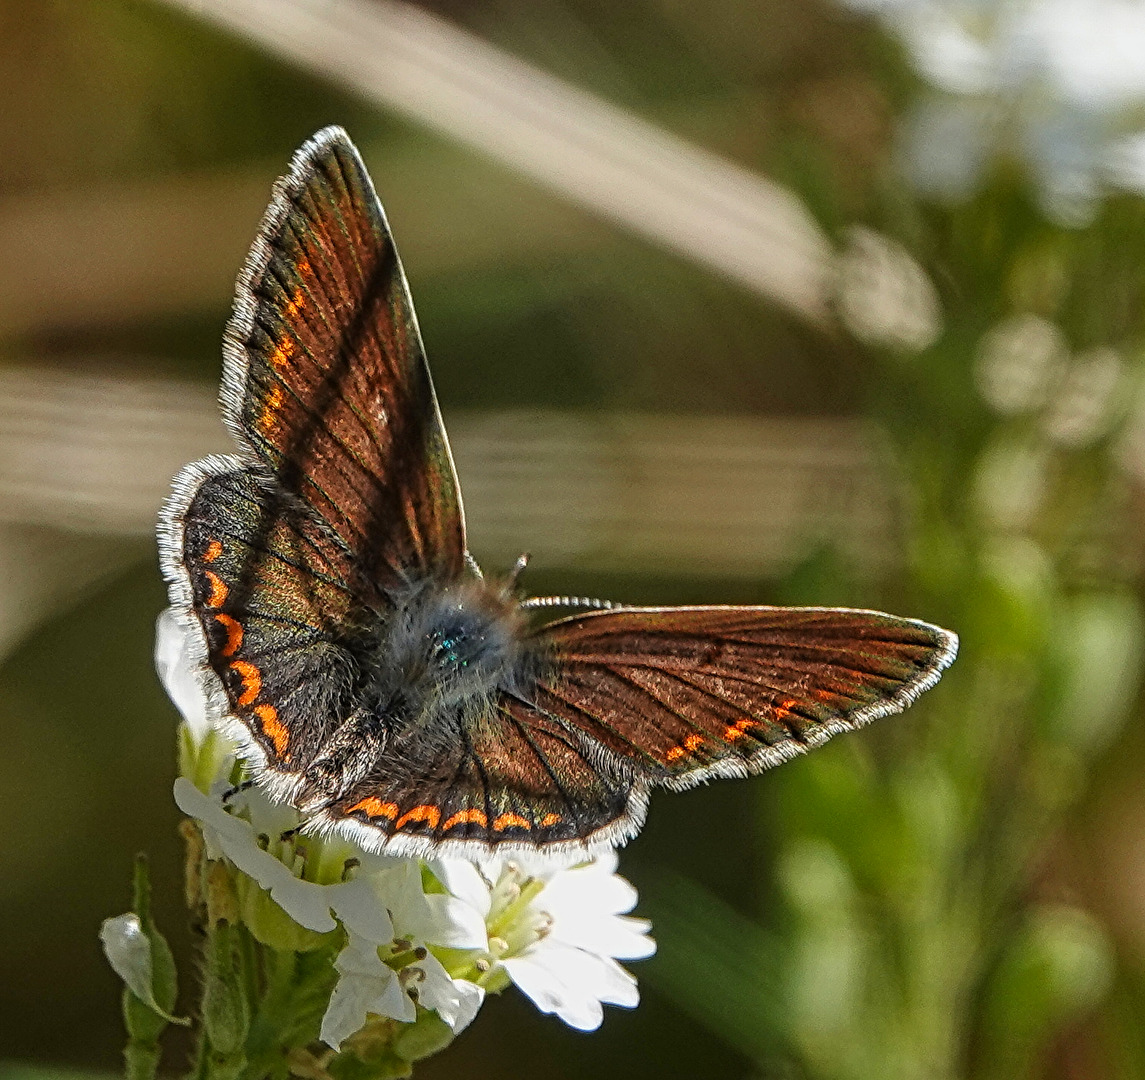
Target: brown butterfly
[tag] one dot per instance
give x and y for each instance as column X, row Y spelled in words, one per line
column 370, row 674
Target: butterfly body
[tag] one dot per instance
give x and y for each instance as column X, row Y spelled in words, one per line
column 369, row 673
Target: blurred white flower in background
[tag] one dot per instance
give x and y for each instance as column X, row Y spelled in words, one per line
column 883, row 295
column 1018, row 361
column 1056, row 84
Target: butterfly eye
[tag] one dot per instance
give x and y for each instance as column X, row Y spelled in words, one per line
column 446, row 646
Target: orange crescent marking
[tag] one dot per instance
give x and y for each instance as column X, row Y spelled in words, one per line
column 298, row 301
column 273, row 727
column 507, row 821
column 693, row 743
column 420, row 813
column 214, row 550
column 372, row 806
column 549, row 819
column 736, row 731
column 234, row 634
column 252, row 680
column 270, row 409
column 783, row 709
column 283, row 351
column 675, row 753
column 218, row 590
column 464, row 817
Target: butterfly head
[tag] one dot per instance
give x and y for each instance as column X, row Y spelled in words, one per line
column 447, row 646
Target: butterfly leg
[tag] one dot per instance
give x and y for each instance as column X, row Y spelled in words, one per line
column 344, row 760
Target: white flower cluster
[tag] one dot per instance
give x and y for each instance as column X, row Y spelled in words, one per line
column 556, row 933
column 1057, row 84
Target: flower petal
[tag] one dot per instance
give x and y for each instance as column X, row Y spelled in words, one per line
column 462, row 879
column 453, row 923
column 588, row 974
column 173, row 663
column 306, row 903
column 609, row 935
column 594, row 888
column 470, row 997
column 365, row 986
column 548, row 991
column 456, row 1001
column 362, row 913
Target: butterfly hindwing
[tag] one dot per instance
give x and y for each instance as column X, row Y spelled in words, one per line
column 689, row 693
column 325, row 378
column 270, row 591
column 519, row 779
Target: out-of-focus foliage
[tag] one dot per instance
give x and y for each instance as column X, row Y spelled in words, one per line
column 956, row 892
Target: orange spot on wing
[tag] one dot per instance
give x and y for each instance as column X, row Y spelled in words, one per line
column 283, row 351
column 273, row 727
column 372, row 806
column 218, row 593
column 234, row 634
column 298, row 301
column 689, row 746
column 783, row 709
column 252, row 680
column 549, row 819
column 270, row 409
column 425, row 812
column 214, row 550
column 464, row 817
column 508, row 821
column 736, row 730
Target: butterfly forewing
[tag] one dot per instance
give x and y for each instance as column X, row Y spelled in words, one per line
column 685, row 693
column 326, row 379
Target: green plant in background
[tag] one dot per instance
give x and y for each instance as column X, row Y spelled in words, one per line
column 917, row 941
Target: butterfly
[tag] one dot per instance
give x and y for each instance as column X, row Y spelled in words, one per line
column 348, row 643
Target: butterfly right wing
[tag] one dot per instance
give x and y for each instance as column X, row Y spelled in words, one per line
column 686, row 694
column 638, row 697
column 519, row 782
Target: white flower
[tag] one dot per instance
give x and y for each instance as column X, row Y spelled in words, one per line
column 1056, row 83
column 382, row 907
column 557, row 933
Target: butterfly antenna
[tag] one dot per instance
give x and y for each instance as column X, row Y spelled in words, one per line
column 518, row 568
column 568, row 601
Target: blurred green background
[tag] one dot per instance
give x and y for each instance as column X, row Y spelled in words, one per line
column 930, row 403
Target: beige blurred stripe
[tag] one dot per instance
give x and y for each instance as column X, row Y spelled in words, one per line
column 171, row 245
column 591, row 152
column 735, row 496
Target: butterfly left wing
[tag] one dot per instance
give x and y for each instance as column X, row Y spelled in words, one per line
column 325, row 380
column 685, row 694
